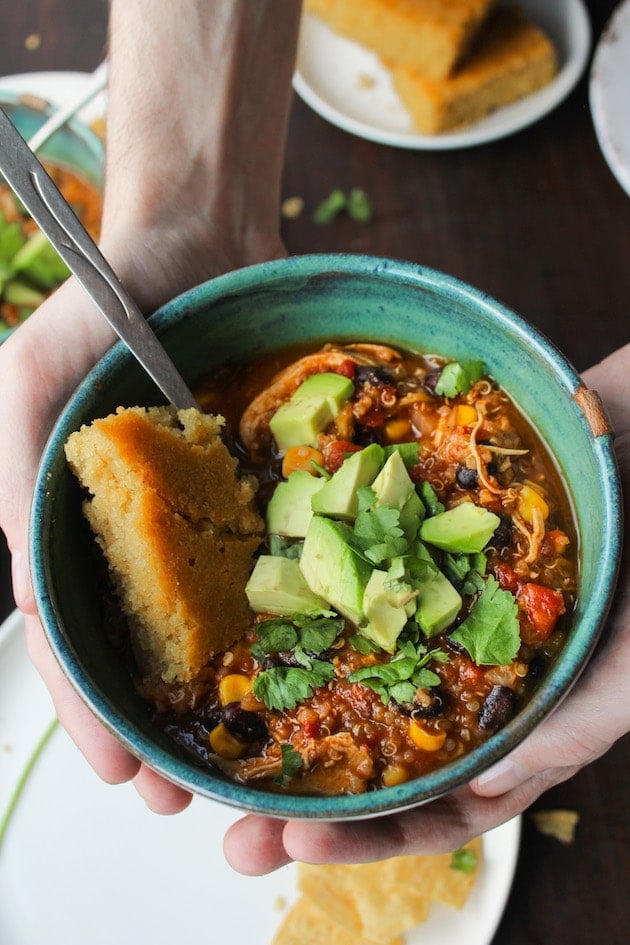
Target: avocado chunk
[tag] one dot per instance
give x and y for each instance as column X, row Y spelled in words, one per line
column 40, row 263
column 312, row 406
column 385, row 612
column 299, row 424
column 467, row 528
column 289, row 511
column 334, row 388
column 332, row 569
column 393, row 486
column 409, row 452
column 438, row 602
column 338, row 497
column 276, row 586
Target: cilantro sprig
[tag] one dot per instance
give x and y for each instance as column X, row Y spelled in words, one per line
column 465, row 571
column 283, row 687
column 398, row 678
column 292, row 762
column 464, row 860
column 377, row 535
column 490, row 633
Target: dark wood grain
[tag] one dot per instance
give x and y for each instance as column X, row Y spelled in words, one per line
column 539, row 222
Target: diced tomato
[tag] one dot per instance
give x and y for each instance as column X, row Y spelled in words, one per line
column 507, row 577
column 312, row 728
column 469, row 674
column 347, row 368
column 336, row 451
column 543, row 606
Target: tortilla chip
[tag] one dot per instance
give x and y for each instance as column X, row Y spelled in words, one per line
column 328, row 888
column 453, row 886
column 560, row 824
column 379, row 901
column 305, row 924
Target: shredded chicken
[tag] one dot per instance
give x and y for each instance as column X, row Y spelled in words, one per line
column 474, row 449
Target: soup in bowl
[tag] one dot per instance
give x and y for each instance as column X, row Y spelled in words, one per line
column 383, row 563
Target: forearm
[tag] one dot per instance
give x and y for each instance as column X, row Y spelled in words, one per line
column 198, row 106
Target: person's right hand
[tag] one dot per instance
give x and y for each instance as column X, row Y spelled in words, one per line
column 40, row 365
column 198, row 104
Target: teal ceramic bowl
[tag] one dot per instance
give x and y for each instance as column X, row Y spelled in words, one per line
column 317, row 299
column 74, row 146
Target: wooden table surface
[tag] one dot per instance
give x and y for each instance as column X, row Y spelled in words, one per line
column 538, row 221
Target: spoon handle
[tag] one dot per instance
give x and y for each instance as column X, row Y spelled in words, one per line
column 94, row 84
column 33, row 186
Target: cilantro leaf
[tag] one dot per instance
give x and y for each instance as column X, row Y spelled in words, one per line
column 362, row 645
column 458, row 378
column 464, row 860
column 430, row 499
column 490, row 633
column 399, row 678
column 292, row 762
column 285, row 547
column 359, row 206
column 274, row 636
column 318, row 635
column 377, row 535
column 327, row 210
column 282, row 687
column 465, row 571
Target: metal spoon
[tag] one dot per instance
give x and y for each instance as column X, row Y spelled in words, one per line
column 93, row 85
column 33, row 186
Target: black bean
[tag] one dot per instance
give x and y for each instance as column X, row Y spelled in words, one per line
column 502, row 535
column 250, row 726
column 466, row 478
column 497, row 708
column 430, row 380
column 364, row 436
column 418, row 711
column 372, row 374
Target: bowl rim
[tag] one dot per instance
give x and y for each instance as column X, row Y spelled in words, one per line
column 576, row 650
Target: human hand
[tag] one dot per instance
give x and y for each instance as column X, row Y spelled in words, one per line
column 40, row 365
column 192, row 191
column 582, row 728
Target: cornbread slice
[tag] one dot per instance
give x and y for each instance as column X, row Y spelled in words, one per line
column 430, row 36
column 511, row 59
column 177, row 528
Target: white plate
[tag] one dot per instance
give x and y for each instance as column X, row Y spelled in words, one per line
column 330, row 69
column 609, row 91
column 56, row 88
column 85, row 862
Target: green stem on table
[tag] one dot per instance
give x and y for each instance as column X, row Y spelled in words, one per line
column 28, row 768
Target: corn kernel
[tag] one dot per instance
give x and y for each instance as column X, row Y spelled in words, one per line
column 233, row 687
column 395, row 774
column 397, row 430
column 463, row 415
column 224, row 744
column 424, row 739
column 528, row 500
